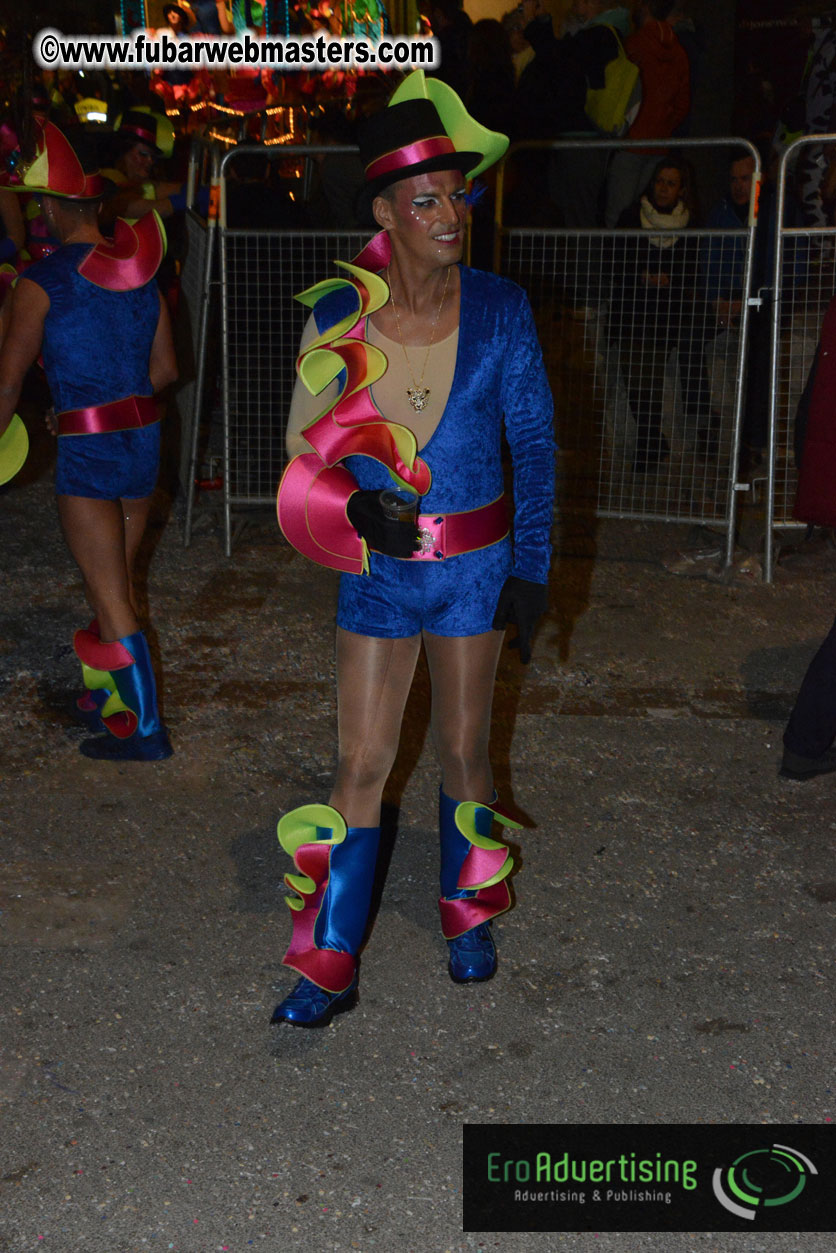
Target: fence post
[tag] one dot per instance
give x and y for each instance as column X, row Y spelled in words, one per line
column 201, row 343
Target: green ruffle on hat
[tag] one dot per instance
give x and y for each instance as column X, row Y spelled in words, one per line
column 14, row 447
column 467, row 134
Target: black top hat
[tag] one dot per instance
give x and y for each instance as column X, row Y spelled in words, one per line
column 407, row 139
column 141, row 127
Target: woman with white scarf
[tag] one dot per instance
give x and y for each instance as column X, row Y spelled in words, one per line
column 655, row 308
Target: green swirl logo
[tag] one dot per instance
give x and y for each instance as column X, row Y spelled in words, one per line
column 761, row 1179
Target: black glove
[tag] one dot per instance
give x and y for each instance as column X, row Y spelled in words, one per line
column 521, row 602
column 384, row 535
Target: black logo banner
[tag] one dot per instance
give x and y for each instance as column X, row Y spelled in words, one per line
column 643, row 1177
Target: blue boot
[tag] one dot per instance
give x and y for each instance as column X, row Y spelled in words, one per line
column 309, row 1005
column 472, row 955
column 470, row 856
column 333, row 889
column 130, row 714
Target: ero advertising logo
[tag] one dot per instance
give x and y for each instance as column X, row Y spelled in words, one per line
column 646, row 1177
column 762, row 1178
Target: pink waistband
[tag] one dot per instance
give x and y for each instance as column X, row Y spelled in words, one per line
column 118, row 415
column 450, row 534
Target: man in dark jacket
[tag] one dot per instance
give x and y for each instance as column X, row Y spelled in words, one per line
column 551, row 104
column 451, row 27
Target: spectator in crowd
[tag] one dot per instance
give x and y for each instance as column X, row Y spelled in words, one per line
column 693, row 43
column 489, row 99
column 724, row 270
column 818, row 94
column 179, row 87
column 551, row 104
column 666, row 102
column 336, row 202
column 724, row 266
column 546, row 88
column 489, row 77
column 585, row 11
column 576, row 177
column 255, row 200
column 177, row 20
column 211, row 17
column 521, row 50
column 451, row 27
column 539, row 107
column 655, row 308
column 130, row 188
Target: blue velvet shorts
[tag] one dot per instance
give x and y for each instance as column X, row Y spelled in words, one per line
column 119, row 465
column 398, row 599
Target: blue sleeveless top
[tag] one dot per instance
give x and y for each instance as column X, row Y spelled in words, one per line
column 97, row 343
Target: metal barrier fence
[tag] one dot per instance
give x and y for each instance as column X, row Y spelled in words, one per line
column 261, row 326
column 193, row 314
column 192, row 324
column 804, row 284
column 647, row 384
column 647, row 380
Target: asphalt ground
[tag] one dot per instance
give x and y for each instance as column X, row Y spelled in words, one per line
column 669, row 959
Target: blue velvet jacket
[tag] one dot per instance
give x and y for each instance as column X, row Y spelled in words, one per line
column 499, row 386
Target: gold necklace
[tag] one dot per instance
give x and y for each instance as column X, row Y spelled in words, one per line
column 417, row 394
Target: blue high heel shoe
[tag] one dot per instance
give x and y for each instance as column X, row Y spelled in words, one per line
column 309, row 1005
column 472, row 956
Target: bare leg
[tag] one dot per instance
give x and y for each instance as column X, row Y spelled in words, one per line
column 135, row 519
column 373, row 681
column 463, row 672
column 96, row 535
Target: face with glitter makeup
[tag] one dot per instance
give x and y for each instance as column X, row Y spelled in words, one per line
column 425, row 216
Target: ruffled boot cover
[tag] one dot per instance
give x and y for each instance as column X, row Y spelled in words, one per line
column 474, row 888
column 333, row 889
column 87, row 708
column 122, row 669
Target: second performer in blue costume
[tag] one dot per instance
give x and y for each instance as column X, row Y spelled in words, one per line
column 95, row 312
column 412, row 368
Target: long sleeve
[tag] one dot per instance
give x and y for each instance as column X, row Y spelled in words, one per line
column 529, row 426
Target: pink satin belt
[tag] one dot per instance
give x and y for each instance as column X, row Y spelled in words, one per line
column 118, row 415
column 450, row 534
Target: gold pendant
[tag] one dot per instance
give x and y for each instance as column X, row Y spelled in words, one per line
column 418, row 397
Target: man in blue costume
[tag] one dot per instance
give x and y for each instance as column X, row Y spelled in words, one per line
column 414, row 354
column 94, row 311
